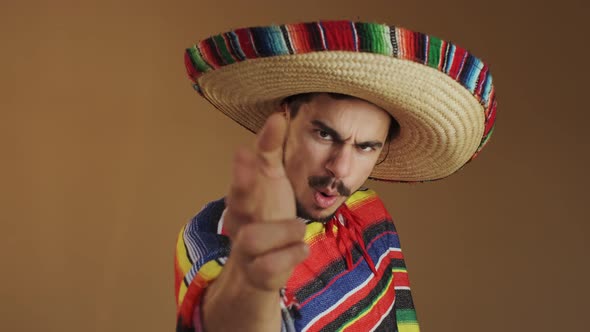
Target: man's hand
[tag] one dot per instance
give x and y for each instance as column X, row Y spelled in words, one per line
column 260, row 217
column 267, row 240
column 260, row 189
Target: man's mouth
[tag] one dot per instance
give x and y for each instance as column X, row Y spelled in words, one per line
column 324, row 198
column 323, row 183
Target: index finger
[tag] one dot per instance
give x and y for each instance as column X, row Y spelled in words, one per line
column 269, row 144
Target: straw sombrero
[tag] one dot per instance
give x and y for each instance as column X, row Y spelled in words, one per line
column 441, row 95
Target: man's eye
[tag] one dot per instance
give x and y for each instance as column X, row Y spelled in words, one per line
column 366, row 148
column 324, row 135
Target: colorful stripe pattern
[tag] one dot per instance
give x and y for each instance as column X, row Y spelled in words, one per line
column 251, row 43
column 331, row 296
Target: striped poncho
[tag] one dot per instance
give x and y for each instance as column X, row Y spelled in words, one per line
column 352, row 283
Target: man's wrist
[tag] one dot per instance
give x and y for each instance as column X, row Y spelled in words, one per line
column 252, row 309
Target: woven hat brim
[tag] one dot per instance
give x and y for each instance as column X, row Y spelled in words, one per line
column 441, row 122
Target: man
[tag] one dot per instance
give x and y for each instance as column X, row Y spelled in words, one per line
column 310, row 249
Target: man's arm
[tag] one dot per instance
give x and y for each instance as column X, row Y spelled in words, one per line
column 248, row 288
column 267, row 240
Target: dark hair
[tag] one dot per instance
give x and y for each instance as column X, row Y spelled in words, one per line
column 294, row 102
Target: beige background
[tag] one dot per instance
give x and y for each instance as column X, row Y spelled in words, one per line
column 106, row 152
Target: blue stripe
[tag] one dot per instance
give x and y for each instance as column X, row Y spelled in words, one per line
column 347, row 280
column 468, row 76
column 269, row 41
column 487, row 89
column 450, row 56
column 235, row 46
column 201, row 239
column 477, row 67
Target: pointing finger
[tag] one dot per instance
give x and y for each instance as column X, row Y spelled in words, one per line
column 270, row 142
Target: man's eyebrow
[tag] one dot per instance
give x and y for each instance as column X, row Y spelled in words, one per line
column 372, row 144
column 327, row 129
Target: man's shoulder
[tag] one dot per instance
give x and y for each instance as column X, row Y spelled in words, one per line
column 363, row 195
column 208, row 218
column 366, row 201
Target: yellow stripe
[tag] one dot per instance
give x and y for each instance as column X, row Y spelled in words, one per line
column 208, row 272
column 181, row 293
column 368, row 309
column 313, row 230
column 408, row 327
column 359, row 197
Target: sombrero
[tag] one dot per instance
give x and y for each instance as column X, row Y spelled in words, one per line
column 441, row 95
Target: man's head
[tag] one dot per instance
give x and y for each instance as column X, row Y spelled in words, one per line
column 334, row 141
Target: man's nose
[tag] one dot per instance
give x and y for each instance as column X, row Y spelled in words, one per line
column 340, row 161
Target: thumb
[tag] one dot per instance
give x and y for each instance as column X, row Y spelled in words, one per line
column 269, row 144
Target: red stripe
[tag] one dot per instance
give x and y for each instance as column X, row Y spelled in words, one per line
column 367, row 322
column 191, row 298
column 246, row 43
column 294, row 38
column 208, row 54
column 480, row 81
column 491, row 118
column 401, row 279
column 371, row 210
column 405, row 37
column 458, row 59
column 392, row 255
column 303, row 36
column 339, row 36
column 322, row 252
column 412, row 50
column 321, row 246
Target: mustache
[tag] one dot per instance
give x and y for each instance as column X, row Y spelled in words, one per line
column 320, row 182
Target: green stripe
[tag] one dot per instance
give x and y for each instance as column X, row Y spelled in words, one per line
column 406, row 315
column 434, row 52
column 485, row 139
column 378, row 37
column 198, row 61
column 223, row 51
column 374, row 38
column 384, row 39
column 370, row 306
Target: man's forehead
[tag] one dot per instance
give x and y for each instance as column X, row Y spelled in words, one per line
column 324, row 105
column 334, row 110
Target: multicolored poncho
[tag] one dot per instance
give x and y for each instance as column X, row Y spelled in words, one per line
column 354, row 278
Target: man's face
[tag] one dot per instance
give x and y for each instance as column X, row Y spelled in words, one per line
column 331, row 149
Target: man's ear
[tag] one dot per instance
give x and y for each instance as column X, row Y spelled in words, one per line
column 285, row 111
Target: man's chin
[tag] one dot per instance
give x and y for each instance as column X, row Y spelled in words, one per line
column 320, row 215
